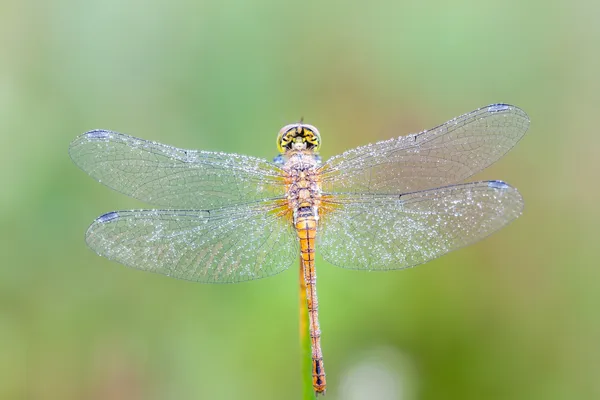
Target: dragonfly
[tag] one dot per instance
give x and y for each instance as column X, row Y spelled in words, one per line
column 227, row 218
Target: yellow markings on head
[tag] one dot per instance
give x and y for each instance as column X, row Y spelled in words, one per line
column 298, row 137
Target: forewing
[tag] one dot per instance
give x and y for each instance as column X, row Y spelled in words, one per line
column 175, row 178
column 441, row 156
column 382, row 232
column 219, row 246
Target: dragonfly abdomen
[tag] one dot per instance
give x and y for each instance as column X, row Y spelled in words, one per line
column 306, row 228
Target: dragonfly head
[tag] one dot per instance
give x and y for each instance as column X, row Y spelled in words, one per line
column 298, row 136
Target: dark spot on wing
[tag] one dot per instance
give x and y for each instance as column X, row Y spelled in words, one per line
column 110, row 216
column 498, row 185
column 497, row 108
column 97, row 134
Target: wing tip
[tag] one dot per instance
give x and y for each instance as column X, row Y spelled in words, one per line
column 498, row 108
column 95, row 135
column 502, row 186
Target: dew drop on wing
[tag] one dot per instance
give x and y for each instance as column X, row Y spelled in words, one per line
column 498, row 185
column 97, row 134
column 110, row 216
column 498, row 108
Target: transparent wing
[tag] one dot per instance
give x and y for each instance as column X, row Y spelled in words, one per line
column 219, row 246
column 443, row 155
column 170, row 177
column 382, row 232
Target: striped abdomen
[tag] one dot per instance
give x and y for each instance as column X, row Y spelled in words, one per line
column 306, row 227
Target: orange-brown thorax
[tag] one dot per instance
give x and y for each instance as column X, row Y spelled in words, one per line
column 303, row 186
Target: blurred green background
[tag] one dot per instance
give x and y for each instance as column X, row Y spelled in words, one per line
column 512, row 317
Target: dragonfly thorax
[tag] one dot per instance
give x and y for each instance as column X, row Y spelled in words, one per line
column 303, row 187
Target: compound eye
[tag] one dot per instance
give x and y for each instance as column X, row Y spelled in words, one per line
column 283, row 139
column 314, row 138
